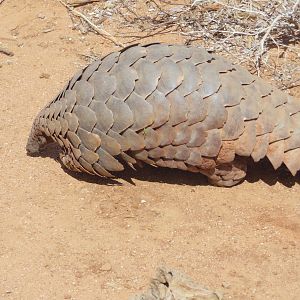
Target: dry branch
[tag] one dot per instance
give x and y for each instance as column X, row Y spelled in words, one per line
column 78, row 3
column 100, row 31
column 248, row 32
column 262, row 49
column 6, row 51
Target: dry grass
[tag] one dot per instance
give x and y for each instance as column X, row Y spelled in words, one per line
column 263, row 35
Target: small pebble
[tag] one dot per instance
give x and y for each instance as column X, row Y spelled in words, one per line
column 226, row 285
column 46, row 30
column 43, row 45
column 41, row 16
column 83, row 29
column 106, row 267
column 45, row 75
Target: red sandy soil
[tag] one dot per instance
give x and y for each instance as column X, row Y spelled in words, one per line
column 68, row 236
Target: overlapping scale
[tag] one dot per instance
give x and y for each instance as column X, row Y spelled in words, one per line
column 172, row 106
column 171, row 76
column 104, row 85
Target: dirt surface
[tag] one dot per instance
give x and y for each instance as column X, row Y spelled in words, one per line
column 68, row 236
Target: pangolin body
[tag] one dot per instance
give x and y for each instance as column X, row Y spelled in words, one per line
column 171, row 106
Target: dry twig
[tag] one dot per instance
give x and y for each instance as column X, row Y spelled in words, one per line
column 262, row 49
column 6, row 51
column 264, row 35
column 77, row 3
column 100, row 31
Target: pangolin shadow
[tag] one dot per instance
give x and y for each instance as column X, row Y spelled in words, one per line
column 53, row 151
column 264, row 171
column 256, row 171
column 146, row 173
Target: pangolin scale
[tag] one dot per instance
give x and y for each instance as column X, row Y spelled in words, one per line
column 170, row 106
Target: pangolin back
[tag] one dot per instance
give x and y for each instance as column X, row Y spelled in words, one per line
column 172, row 106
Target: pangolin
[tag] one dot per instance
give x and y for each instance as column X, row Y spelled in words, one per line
column 171, row 106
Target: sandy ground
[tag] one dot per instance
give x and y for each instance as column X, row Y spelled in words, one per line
column 64, row 236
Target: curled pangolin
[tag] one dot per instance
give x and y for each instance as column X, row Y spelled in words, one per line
column 171, row 106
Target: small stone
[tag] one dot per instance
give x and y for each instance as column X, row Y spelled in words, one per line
column 46, row 30
column 43, row 45
column 225, row 285
column 41, row 16
column 83, row 29
column 106, row 267
column 45, row 75
column 67, row 296
column 143, row 201
column 193, row 190
column 135, row 205
column 67, row 39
